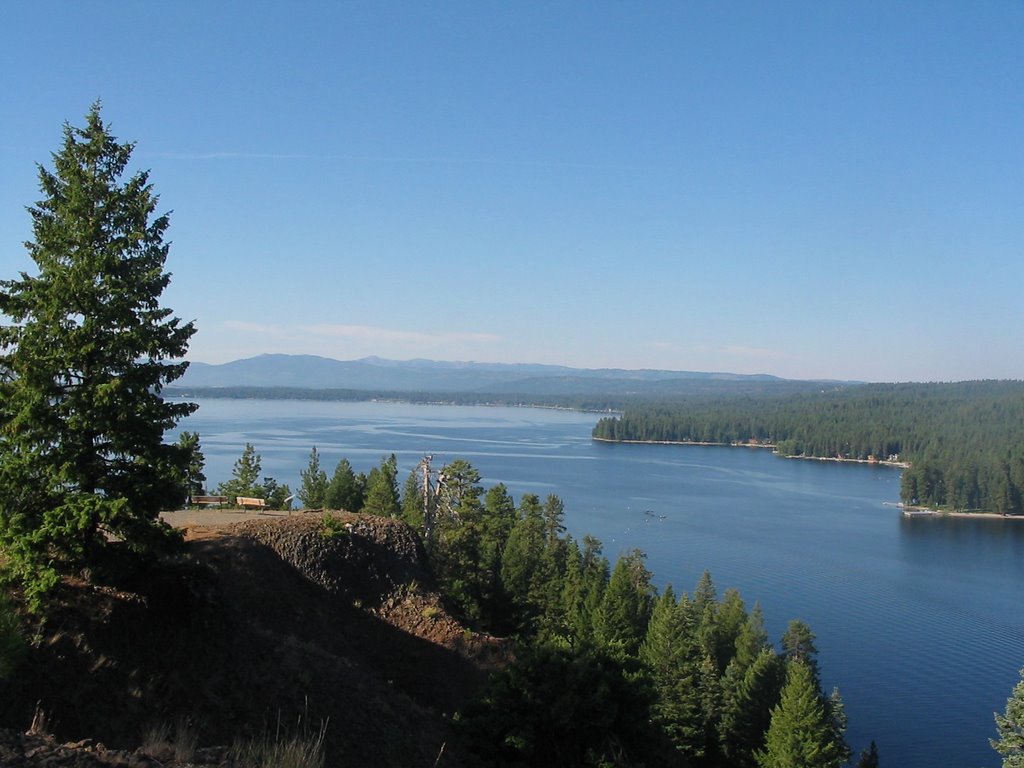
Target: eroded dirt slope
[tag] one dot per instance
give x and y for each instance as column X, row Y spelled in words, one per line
column 260, row 623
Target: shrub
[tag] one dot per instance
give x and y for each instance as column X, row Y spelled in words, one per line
column 332, row 526
column 12, row 645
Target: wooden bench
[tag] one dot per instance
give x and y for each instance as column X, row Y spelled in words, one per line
column 201, row 501
column 245, row 502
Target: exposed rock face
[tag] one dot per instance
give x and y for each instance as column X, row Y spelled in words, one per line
column 261, row 624
column 21, row 750
column 367, row 559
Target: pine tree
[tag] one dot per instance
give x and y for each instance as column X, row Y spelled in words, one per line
column 346, row 490
column 245, row 476
column 584, row 583
column 382, row 489
column 412, row 500
column 746, row 712
column 704, row 595
column 711, row 701
column 313, row 493
column 195, row 479
column 546, row 591
column 801, row 734
column 576, row 630
column 798, row 645
column 82, row 420
column 671, row 655
column 751, row 640
column 622, row 619
column 1010, row 725
column 596, row 572
column 499, row 516
column 520, row 560
column 730, row 619
column 837, row 716
column 457, row 483
column 456, row 547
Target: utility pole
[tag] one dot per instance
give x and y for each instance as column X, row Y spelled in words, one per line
column 428, row 507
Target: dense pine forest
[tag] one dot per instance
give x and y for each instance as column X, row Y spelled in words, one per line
column 608, row 671
column 964, row 442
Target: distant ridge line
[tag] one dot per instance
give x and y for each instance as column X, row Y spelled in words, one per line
column 374, row 374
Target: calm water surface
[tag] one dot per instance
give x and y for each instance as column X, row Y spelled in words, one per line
column 919, row 622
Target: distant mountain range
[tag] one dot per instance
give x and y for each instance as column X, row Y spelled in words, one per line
column 425, row 376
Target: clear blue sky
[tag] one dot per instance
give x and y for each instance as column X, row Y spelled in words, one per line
column 813, row 190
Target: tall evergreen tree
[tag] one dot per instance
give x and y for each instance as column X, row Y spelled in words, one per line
column 245, row 476
column 747, row 708
column 575, row 630
column 752, row 639
column 313, row 493
column 596, row 572
column 801, row 734
column 500, row 513
column 499, row 517
column 586, row 576
column 705, row 594
column 711, row 701
column 837, row 716
column 458, row 483
column 798, row 645
column 382, row 489
column 621, row 621
column 85, row 358
column 456, row 546
column 412, row 500
column 1010, row 726
column 723, row 631
column 521, row 559
column 346, row 490
column 671, row 655
column 195, row 479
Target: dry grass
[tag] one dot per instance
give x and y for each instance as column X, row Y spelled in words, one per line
column 303, row 749
column 38, row 725
column 178, row 743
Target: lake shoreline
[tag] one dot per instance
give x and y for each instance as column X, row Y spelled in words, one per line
column 910, row 510
column 876, row 462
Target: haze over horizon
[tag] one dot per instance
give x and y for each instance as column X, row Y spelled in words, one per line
column 812, row 191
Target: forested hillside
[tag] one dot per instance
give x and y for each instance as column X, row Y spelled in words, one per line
column 574, row 392
column 609, row 671
column 964, row 441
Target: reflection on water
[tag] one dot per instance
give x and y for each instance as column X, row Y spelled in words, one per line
column 918, row 621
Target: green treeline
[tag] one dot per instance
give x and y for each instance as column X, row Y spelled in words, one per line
column 575, row 393
column 964, row 441
column 601, row 403
column 607, row 670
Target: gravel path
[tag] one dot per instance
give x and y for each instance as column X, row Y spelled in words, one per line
column 187, row 518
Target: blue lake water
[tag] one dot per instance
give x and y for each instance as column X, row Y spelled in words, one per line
column 918, row 621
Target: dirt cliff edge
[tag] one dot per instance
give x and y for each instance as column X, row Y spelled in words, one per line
column 257, row 626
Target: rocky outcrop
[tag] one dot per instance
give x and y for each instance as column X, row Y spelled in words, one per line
column 260, row 625
column 358, row 557
column 22, row 750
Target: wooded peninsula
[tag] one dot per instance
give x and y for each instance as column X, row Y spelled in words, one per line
column 963, row 442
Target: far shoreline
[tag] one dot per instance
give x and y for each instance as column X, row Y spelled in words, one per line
column 912, row 510
column 876, row 462
column 907, row 509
